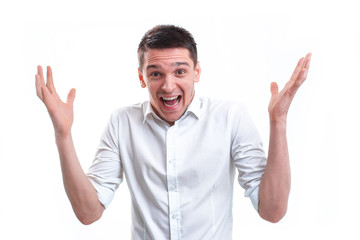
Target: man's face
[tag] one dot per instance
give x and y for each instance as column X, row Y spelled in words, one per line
column 169, row 75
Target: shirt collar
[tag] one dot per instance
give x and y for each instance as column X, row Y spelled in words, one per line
column 194, row 108
column 147, row 110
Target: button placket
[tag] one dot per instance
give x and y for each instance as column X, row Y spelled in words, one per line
column 173, row 194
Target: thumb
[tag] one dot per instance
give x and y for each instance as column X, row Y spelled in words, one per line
column 274, row 89
column 71, row 96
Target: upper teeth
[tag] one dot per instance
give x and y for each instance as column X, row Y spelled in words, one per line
column 169, row 99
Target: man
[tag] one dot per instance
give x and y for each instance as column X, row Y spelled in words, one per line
column 178, row 152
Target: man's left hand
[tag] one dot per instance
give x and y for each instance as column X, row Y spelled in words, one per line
column 280, row 101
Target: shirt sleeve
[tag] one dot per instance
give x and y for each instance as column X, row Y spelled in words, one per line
column 248, row 153
column 106, row 171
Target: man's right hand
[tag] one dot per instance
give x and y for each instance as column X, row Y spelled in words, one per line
column 81, row 192
column 61, row 114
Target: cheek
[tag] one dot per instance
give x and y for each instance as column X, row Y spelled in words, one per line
column 152, row 89
column 189, row 89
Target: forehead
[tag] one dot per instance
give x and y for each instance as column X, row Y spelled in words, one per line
column 166, row 57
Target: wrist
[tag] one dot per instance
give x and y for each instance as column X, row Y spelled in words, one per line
column 63, row 138
column 279, row 123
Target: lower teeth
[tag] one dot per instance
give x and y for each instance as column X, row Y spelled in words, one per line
column 167, row 105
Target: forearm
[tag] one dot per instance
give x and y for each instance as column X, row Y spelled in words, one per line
column 79, row 189
column 275, row 186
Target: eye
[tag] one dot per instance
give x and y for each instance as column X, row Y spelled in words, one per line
column 155, row 74
column 180, row 71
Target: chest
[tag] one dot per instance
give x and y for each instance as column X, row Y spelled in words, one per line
column 191, row 153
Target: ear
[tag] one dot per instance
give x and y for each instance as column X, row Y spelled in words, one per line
column 141, row 78
column 197, row 72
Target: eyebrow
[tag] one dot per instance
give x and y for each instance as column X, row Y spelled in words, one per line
column 152, row 66
column 181, row 63
column 176, row 64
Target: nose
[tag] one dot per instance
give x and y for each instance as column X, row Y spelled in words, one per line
column 169, row 84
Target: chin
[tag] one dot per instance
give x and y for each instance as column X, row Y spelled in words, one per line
column 171, row 118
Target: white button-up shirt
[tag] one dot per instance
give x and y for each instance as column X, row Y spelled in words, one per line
column 180, row 177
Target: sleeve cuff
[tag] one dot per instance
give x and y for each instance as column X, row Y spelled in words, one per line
column 105, row 195
column 254, row 197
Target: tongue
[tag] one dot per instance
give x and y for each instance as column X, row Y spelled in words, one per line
column 170, row 102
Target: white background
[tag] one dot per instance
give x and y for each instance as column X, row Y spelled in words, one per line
column 243, row 46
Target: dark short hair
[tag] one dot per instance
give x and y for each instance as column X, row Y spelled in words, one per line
column 167, row 36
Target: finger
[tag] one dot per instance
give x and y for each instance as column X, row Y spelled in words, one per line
column 71, row 96
column 297, row 70
column 49, row 80
column 307, row 60
column 304, row 71
column 46, row 95
column 40, row 73
column 41, row 89
column 38, row 86
column 274, row 89
column 40, row 78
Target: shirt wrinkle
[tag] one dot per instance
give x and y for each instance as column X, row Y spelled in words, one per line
column 181, row 175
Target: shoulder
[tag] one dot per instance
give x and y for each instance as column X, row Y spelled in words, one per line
column 132, row 113
column 221, row 106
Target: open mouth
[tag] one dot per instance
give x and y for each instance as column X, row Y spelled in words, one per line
column 171, row 101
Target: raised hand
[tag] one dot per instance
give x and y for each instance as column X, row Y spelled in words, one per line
column 81, row 192
column 61, row 113
column 280, row 101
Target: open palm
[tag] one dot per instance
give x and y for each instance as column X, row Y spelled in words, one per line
column 61, row 113
column 280, row 101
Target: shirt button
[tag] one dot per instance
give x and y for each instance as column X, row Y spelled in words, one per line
column 171, row 185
